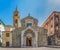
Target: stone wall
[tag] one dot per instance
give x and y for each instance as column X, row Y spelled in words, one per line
column 42, row 38
column 16, row 38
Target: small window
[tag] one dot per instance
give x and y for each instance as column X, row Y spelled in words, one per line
column 29, row 24
column 16, row 14
column 56, row 24
column 46, row 24
column 51, row 26
column 7, row 34
column 56, row 15
column 51, row 18
column 56, row 27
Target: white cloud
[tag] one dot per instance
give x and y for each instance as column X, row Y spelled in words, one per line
column 54, row 2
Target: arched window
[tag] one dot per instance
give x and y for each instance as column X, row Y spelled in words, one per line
column 16, row 14
column 16, row 21
column 29, row 24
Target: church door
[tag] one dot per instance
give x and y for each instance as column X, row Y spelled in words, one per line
column 29, row 42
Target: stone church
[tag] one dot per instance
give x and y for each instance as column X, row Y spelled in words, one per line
column 24, row 33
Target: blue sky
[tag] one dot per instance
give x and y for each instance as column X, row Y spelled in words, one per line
column 40, row 9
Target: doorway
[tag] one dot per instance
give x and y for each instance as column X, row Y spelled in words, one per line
column 29, row 42
column 7, row 44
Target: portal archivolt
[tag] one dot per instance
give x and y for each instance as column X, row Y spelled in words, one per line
column 29, row 37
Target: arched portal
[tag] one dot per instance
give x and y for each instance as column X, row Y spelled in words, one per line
column 29, row 38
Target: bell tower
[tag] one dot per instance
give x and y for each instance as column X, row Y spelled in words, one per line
column 16, row 19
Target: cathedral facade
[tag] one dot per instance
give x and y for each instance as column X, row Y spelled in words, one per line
column 24, row 33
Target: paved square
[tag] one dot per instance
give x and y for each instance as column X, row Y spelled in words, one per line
column 41, row 48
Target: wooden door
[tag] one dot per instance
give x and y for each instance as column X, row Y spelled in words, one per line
column 29, row 42
column 7, row 44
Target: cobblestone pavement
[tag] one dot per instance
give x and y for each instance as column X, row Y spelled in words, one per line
column 41, row 48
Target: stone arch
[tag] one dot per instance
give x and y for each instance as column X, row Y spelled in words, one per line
column 29, row 37
column 29, row 32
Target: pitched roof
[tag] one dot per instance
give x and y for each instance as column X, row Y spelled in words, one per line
column 49, row 17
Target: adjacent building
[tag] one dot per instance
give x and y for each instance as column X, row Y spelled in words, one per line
column 24, row 33
column 1, row 29
column 52, row 24
column 7, row 35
